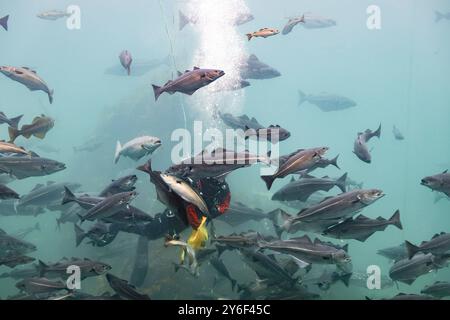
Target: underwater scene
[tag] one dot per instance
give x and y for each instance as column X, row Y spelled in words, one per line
column 224, row 150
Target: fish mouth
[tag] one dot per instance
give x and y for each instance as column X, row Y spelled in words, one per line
column 221, row 73
column 424, row 182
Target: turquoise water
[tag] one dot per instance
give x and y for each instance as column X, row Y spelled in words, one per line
column 398, row 75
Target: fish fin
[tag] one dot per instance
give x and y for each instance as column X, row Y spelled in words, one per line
column 363, row 238
column 179, row 73
column 183, row 20
column 439, row 16
column 302, row 97
column 118, row 150
column 147, row 167
column 377, row 133
column 40, row 135
column 196, row 68
column 4, row 22
column 395, row 220
column 42, row 267
column 15, row 121
column 157, row 91
column 334, row 162
column 411, row 249
column 68, row 196
column 268, row 180
column 13, row 134
column 79, row 234
column 50, row 96
column 249, row 36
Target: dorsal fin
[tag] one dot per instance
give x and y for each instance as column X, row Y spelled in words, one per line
column 303, row 238
column 38, row 186
column 445, row 171
column 196, row 68
column 2, row 231
column 436, row 235
column 179, row 73
column 361, row 217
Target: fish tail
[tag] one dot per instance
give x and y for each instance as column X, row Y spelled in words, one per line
column 341, row 182
column 68, row 196
column 14, row 122
column 147, row 167
column 4, row 22
column 334, row 162
column 50, row 96
column 79, row 234
column 345, row 278
column 395, row 220
column 42, row 267
column 249, row 36
column 302, row 97
column 268, row 180
column 378, row 132
column 278, row 229
column 157, row 91
column 233, row 284
column 439, row 16
column 129, row 70
column 184, row 20
column 117, row 153
column 13, row 134
column 411, row 249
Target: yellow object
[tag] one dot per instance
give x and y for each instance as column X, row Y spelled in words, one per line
column 198, row 237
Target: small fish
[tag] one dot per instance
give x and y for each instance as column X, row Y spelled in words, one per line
column 263, row 33
column 38, row 128
column 12, row 122
column 438, row 182
column 397, row 134
column 186, row 250
column 6, row 147
column 124, row 289
column 126, row 60
column 53, row 15
column 327, row 102
column 440, row 16
column 4, row 22
column 40, row 285
column 137, row 148
column 292, row 23
column 360, row 145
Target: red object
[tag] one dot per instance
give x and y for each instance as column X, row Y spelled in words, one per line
column 223, row 207
column 192, row 216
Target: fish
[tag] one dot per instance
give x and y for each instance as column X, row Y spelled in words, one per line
column 360, row 146
column 189, row 81
column 439, row 244
column 267, row 267
column 100, row 235
column 359, row 279
column 53, row 15
column 253, row 68
column 6, row 148
column 88, row 268
column 439, row 289
column 237, row 241
column 264, row 290
column 125, row 290
column 303, row 188
column 238, row 19
column 327, row 102
column 14, row 260
column 292, row 23
column 137, row 148
column 240, row 122
column 4, row 22
column 40, row 285
column 312, row 21
column 298, row 160
column 239, row 213
column 327, row 279
column 186, row 250
column 22, row 273
column 122, row 184
column 28, row 78
column 186, row 192
column 21, row 234
column 408, row 270
column 38, row 128
column 330, row 211
column 397, row 134
column 317, row 252
column 46, row 195
column 362, row 227
column 323, row 163
column 12, row 122
column 439, row 182
column 440, row 16
column 140, row 267
column 10, row 245
column 220, row 267
column 126, row 60
column 7, row 193
column 394, row 253
column 273, row 133
column 263, row 33
column 215, row 164
column 408, row 296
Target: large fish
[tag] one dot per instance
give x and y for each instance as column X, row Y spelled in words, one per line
column 122, row 184
column 28, row 78
column 263, row 33
column 316, row 252
column 38, row 128
column 126, row 60
column 312, row 21
column 7, row 193
column 137, row 148
column 220, row 267
column 24, row 167
column 301, row 159
column 362, row 227
column 35, row 286
column 240, row 122
column 15, row 260
column 125, row 290
column 10, row 245
column 189, row 82
column 100, row 235
column 303, row 188
column 273, row 133
column 253, row 68
column 43, row 195
column 12, row 122
column 330, row 211
column 4, row 22
column 327, row 102
column 360, row 145
column 439, row 244
column 394, row 253
column 239, row 213
column 439, row 182
column 292, row 23
column 439, row 289
column 88, row 268
column 323, row 163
